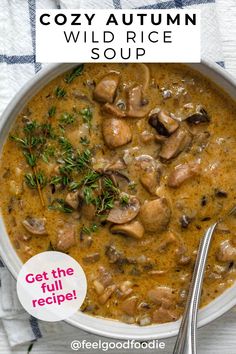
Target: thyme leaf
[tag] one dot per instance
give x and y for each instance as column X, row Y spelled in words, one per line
column 60, row 205
column 60, row 92
column 74, row 73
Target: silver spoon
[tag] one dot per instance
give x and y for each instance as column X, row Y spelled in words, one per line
column 186, row 340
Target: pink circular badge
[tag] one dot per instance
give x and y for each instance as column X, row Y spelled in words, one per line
column 51, row 286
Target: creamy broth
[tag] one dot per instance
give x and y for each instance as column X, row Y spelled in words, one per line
column 123, row 167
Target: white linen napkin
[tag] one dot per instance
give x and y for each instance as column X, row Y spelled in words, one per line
column 17, row 65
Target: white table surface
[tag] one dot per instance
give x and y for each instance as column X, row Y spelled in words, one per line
column 219, row 336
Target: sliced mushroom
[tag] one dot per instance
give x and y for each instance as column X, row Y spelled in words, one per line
column 65, row 238
column 134, row 103
column 163, row 315
column 133, row 229
column 123, row 214
column 175, row 144
column 116, row 132
column 105, row 277
column 129, row 305
column 73, row 200
column 92, row 258
column 113, row 110
column 105, row 89
column 155, row 215
column 226, row 252
column 107, row 294
column 183, row 173
column 162, row 122
column 199, row 117
column 113, row 254
column 161, row 295
column 35, row 226
column 77, row 94
column 115, row 166
column 138, row 73
column 150, row 172
column 126, row 288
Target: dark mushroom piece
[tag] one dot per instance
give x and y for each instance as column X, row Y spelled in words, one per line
column 122, row 214
column 35, row 226
column 199, row 117
column 163, row 123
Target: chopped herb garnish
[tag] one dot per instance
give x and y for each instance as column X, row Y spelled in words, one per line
column 87, row 115
column 60, row 92
column 60, row 180
column 109, row 185
column 52, row 111
column 30, row 158
column 124, row 199
column 74, row 73
column 30, row 127
column 48, row 131
column 47, row 153
column 77, row 162
column 105, row 202
column 90, row 229
column 65, row 145
column 66, row 119
column 74, row 185
column 84, row 140
column 60, row 205
column 33, row 181
column 90, row 178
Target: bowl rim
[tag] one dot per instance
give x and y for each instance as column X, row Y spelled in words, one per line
column 97, row 325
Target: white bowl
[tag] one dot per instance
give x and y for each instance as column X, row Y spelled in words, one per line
column 97, row 325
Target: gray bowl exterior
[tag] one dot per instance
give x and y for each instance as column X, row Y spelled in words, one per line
column 97, row 325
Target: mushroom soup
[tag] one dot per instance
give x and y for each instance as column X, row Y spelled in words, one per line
column 123, row 167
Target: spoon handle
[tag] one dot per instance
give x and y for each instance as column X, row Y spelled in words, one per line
column 186, row 340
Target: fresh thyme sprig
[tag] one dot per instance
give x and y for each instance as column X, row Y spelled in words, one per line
column 33, row 180
column 47, row 153
column 65, row 145
column 74, row 73
column 31, row 143
column 60, row 205
column 77, row 162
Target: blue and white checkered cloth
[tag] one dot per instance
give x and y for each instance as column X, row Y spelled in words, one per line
column 17, row 65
